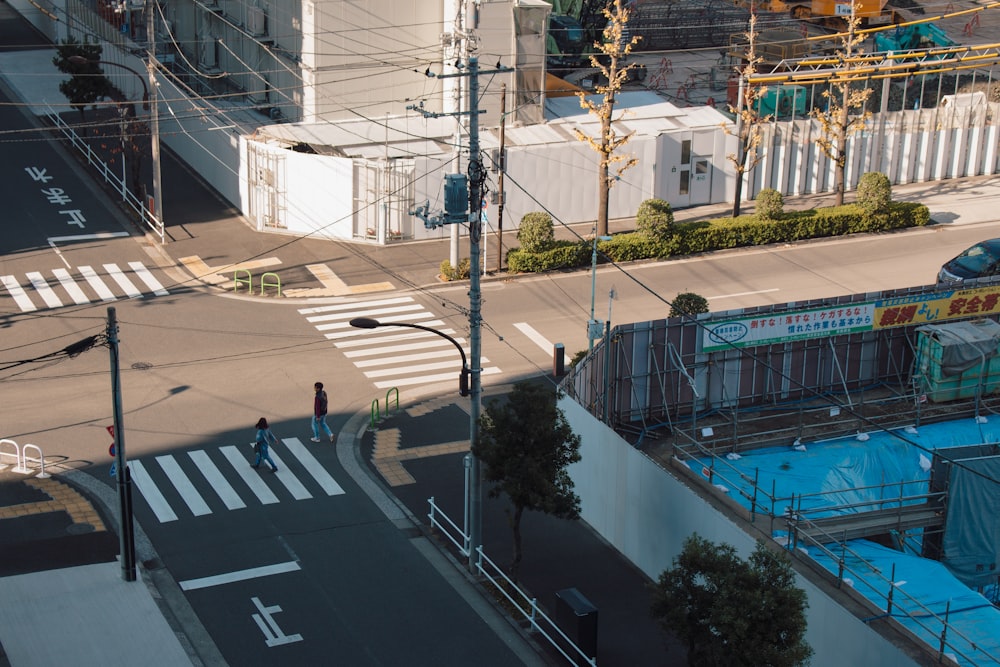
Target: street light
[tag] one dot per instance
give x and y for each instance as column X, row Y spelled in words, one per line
column 77, row 59
column 80, row 60
column 369, row 323
column 473, row 500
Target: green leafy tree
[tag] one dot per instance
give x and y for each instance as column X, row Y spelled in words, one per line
column 731, row 611
column 688, row 303
column 525, row 445
column 837, row 124
column 87, row 82
column 615, row 49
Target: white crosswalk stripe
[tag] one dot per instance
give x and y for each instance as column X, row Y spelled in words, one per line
column 231, row 482
column 390, row 356
column 37, row 290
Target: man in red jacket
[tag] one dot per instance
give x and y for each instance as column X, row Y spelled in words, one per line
column 319, row 414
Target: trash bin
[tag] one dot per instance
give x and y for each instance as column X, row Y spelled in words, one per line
column 577, row 617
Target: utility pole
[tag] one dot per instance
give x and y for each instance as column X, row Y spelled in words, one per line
column 126, row 536
column 154, row 113
column 472, row 214
column 502, row 159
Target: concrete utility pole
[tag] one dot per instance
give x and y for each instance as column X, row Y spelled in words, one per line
column 126, row 536
column 473, row 216
column 154, row 113
column 501, row 167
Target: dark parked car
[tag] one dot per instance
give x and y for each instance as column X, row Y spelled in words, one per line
column 980, row 261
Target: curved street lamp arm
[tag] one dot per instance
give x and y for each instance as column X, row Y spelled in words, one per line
column 369, row 323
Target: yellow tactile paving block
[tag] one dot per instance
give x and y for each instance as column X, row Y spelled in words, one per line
column 387, row 455
column 64, row 499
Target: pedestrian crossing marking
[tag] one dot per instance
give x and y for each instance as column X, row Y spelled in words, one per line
column 374, row 338
column 214, row 477
column 96, row 283
column 156, row 501
column 51, row 292
column 427, row 379
column 43, row 289
column 20, row 298
column 74, row 291
column 146, row 276
column 131, row 291
column 183, row 485
column 318, row 472
column 397, row 364
column 288, row 456
column 290, row 481
column 249, row 476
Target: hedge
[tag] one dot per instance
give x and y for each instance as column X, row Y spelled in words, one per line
column 721, row 233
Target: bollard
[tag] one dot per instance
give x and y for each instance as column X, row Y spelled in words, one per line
column 558, row 360
column 238, row 280
column 270, row 279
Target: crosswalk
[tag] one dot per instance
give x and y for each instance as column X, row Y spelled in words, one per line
column 87, row 285
column 222, row 479
column 392, row 356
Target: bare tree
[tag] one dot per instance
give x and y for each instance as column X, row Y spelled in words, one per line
column 836, row 122
column 615, row 48
column 748, row 116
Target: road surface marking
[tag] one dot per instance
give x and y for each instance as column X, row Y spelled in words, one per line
column 368, row 312
column 20, row 298
column 96, row 283
column 354, row 304
column 427, row 379
column 219, row 274
column 374, row 337
column 535, row 337
column 413, row 318
column 146, row 276
column 74, row 291
column 313, row 467
column 215, row 479
column 388, row 349
column 239, row 575
column 374, row 340
column 419, row 368
column 332, row 282
column 249, row 476
column 404, row 358
column 155, row 500
column 733, row 296
column 43, row 289
column 290, row 481
column 131, row 291
column 183, row 485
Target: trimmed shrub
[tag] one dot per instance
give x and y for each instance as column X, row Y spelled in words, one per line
column 688, row 303
column 535, row 233
column 770, row 204
column 460, row 272
column 655, row 219
column 874, row 193
column 564, row 254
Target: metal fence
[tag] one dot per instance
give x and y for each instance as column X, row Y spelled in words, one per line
column 116, row 180
column 506, row 588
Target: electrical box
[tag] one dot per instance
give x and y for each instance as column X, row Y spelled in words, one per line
column 456, row 198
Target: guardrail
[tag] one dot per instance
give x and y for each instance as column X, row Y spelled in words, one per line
column 117, row 181
column 525, row 605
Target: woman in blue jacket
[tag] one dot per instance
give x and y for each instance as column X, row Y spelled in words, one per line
column 264, row 440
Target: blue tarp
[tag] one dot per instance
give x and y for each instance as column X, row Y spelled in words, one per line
column 925, row 594
column 815, row 477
